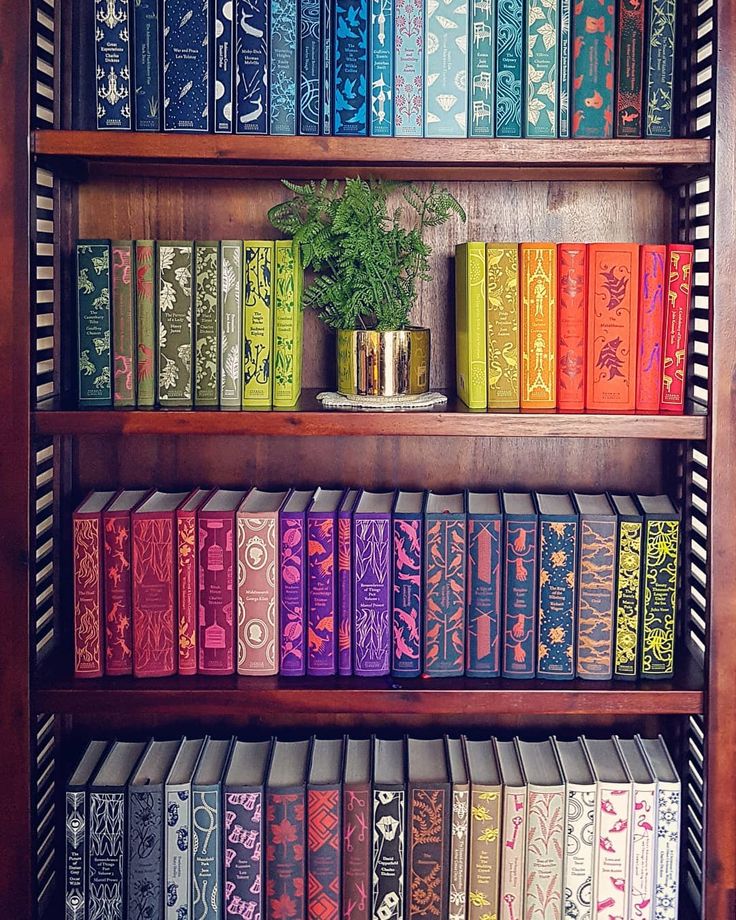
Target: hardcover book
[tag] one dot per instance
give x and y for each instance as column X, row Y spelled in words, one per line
column 287, row 325
column 660, row 45
column 651, row 328
column 470, row 324
column 643, row 826
column 481, row 68
column 513, row 830
column 326, row 69
column 509, row 67
column 207, row 830
column 175, row 324
column 520, row 542
column 345, row 582
column 571, row 319
column 94, row 324
column 563, row 116
column 357, row 816
column 630, row 68
column 251, row 67
column 680, row 258
column 324, row 829
column 258, row 259
column 147, row 70
column 558, row 579
column 593, row 26
column 310, row 56
column 293, row 583
column 322, row 581
column 459, row 823
column 613, row 285
column 381, row 68
column 113, row 27
column 389, row 829
column 216, row 588
column 406, row 620
column 661, row 550
column 445, row 547
column 84, row 79
column 542, row 49
column 483, row 612
column 223, row 66
column 484, row 857
column 502, row 293
column 178, row 840
column 446, row 69
column 257, row 582
column 231, row 324
column 89, row 586
column 409, row 68
column 580, row 821
column 282, row 66
column 186, row 65
column 186, row 541
column 145, row 310
column 123, row 323
column 428, row 816
column 372, row 583
column 206, row 325
column 538, row 326
column 349, row 76
column 628, row 586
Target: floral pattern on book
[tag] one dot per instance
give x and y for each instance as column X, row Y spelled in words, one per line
column 175, row 323
column 118, row 610
column 206, row 325
column 445, row 579
column 153, row 596
column 545, row 841
column 372, row 576
column 87, row 596
column 426, row 857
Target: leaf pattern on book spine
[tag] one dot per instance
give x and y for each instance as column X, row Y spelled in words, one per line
column 372, row 577
column 153, row 596
column 444, row 597
column 545, row 840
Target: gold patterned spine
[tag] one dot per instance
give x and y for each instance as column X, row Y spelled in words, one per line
column 484, row 855
column 502, row 298
column 539, row 326
column 660, row 598
column 628, row 598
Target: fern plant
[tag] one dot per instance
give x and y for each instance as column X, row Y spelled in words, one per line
column 367, row 261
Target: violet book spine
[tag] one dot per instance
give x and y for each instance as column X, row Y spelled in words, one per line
column 372, row 593
column 406, row 622
column 483, row 642
column 216, row 636
column 292, row 592
column 322, row 592
column 345, row 593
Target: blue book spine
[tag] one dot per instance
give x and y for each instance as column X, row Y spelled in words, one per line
column 481, row 68
column 483, row 643
column 186, row 66
column 558, row 555
column 106, row 854
column 349, row 73
column 112, row 45
column 223, row 77
column 406, row 617
column 409, row 68
column 509, row 66
column 446, row 69
column 382, row 68
column 660, row 67
column 146, row 853
column 207, row 863
column 565, row 66
column 310, row 63
column 147, row 66
column 251, row 67
column 520, row 601
column 326, row 94
column 282, row 71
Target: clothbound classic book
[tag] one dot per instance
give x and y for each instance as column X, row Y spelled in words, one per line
column 389, row 829
column 357, row 817
column 178, row 843
column 484, row 854
column 324, row 829
column 372, row 582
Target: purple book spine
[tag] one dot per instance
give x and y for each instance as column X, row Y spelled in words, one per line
column 321, row 550
column 372, row 579
column 345, row 592
column 292, row 592
column 406, row 658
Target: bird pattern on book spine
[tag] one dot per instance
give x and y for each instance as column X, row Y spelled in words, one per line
column 557, row 580
column 75, row 859
column 459, row 854
column 661, row 552
column 484, row 597
column 596, row 598
column 186, row 65
column 544, row 855
column 146, row 323
column 251, row 67
column 206, row 853
column 178, row 854
column 118, row 602
column 409, row 64
column 257, row 595
column 324, row 841
column 593, row 58
column 643, row 846
column 145, row 853
column 509, row 61
column 520, row 621
column 513, row 848
column 612, row 848
column 112, row 43
column 88, row 590
column 285, row 856
column 356, row 878
column 628, row 598
column 388, row 854
column 216, row 595
column 93, row 317
column 630, row 68
column 444, row 596
column 349, row 75
column 372, row 573
column 153, row 597
column 484, row 853
column 243, row 893
column 578, row 881
column 651, row 323
column 123, row 320
column 660, row 67
column 187, row 582
column 106, row 857
column 427, row 854
column 407, row 591
column 321, row 642
column 292, row 594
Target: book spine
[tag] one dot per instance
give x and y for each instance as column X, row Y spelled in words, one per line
column 178, row 853
column 459, row 855
column 310, row 54
column 146, row 853
column 643, row 847
column 206, row 321
column 175, row 324
column 349, row 76
column 145, row 309
column 444, row 595
column 293, row 593
column 484, row 852
column 113, row 27
column 154, row 596
column 326, row 69
column 88, row 595
column 322, row 594
column 563, row 116
column 483, row 651
column 520, row 602
column 593, row 26
column 258, row 598
column 372, row 576
column 667, row 892
column 680, row 259
column 514, row 845
column 409, row 68
column 427, row 852
column 571, row 327
column 659, row 596
column 147, row 66
column 381, row 75
column 223, row 67
column 389, row 836
column 558, row 577
column 509, row 67
column 216, row 637
column 123, row 323
column 613, row 286
column 324, row 834
column 285, row 853
column 287, row 325
column 628, row 599
column 207, row 861
column 186, row 66
column 502, row 311
column 651, row 328
column 542, row 92
column 539, row 325
column 579, row 836
column 106, row 848
column 186, row 533
column 356, row 853
column 75, row 854
column 258, row 261
column 545, row 846
column 117, row 593
column 446, row 69
column 660, row 67
column 470, row 325
column 93, row 324
column 596, row 595
column 84, row 73
column 242, row 883
column 251, row 67
column 406, row 647
column 282, row 70
column 630, row 69
column 345, row 593
column 231, row 324
column 612, row 842
column 482, row 71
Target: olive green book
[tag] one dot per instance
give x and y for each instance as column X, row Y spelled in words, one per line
column 123, row 323
column 257, row 323
column 145, row 311
column 231, row 323
column 206, row 322
column 174, row 307
column 287, row 325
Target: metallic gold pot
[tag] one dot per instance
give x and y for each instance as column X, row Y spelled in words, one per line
column 371, row 363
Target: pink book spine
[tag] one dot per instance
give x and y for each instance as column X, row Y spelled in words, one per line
column 186, row 525
column 154, row 595
column 344, row 593
column 118, row 594
column 257, row 594
column 612, row 843
column 651, row 322
column 216, row 636
column 88, row 595
column 680, row 257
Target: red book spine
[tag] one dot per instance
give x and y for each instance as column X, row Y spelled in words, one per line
column 356, row 853
column 118, row 596
column 285, row 856
column 680, row 258
column 651, row 323
column 88, row 595
column 323, row 860
column 571, row 327
column 216, row 635
column 154, row 595
column 186, row 533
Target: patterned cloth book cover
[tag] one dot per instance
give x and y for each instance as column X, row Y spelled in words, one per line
column 389, row 829
column 145, row 307
column 325, row 115
column 231, row 324
column 357, row 817
column 381, row 68
column 372, row 583
column 470, row 324
column 322, row 582
column 206, row 324
column 293, row 583
column 660, row 65
column 175, row 304
column 651, row 328
column 187, row 37
column 628, row 587
column 207, row 830
column 502, row 293
column 147, row 45
column 324, row 829
column 542, row 52
column 349, row 76
column 481, row 68
column 406, row 622
column 345, row 583
column 113, row 28
column 643, row 829
column 282, row 69
column 251, row 67
column 178, row 842
column 520, row 547
column 288, row 320
column 630, row 68
column 94, row 328
column 669, row 806
column 186, row 541
column 409, row 68
column 485, row 535
column 580, row 820
column 539, row 326
column 484, row 836
column 563, row 114
column 223, row 66
column 513, row 831
column 310, row 58
column 593, row 25
column 258, row 266
column 571, row 320
column 459, row 821
column 509, row 61
column 123, row 323
column 446, row 68
column 680, row 267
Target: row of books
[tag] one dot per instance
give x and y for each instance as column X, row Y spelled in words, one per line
column 336, row 581
column 182, row 324
column 506, row 68
column 598, row 327
column 374, row 829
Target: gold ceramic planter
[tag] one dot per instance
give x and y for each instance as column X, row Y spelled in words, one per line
column 371, row 363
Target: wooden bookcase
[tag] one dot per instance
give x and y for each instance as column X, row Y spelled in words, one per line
column 57, row 185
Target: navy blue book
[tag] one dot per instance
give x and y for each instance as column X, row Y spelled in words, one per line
column 349, row 68
column 147, row 65
column 382, row 68
column 223, row 58
column 186, row 65
column 406, row 616
column 84, row 82
column 310, row 66
column 326, row 94
column 519, row 609
column 483, row 614
column 207, row 830
column 282, row 71
column 112, row 40
column 251, row 67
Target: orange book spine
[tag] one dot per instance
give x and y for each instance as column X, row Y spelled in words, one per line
column 680, row 258
column 539, row 326
column 613, row 298
column 571, row 269
column 651, row 324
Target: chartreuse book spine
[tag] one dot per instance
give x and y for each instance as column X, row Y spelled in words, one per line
column 349, row 77
column 231, row 323
column 257, row 323
column 145, row 309
column 93, row 323
column 481, row 68
column 206, row 322
column 509, row 67
column 660, row 67
column 539, row 326
column 592, row 85
column 470, row 324
column 175, row 323
column 283, row 66
column 446, row 69
column 628, row 587
column 287, row 325
column 542, row 51
column 502, row 295
column 113, row 28
column 147, row 66
column 382, row 68
column 186, row 66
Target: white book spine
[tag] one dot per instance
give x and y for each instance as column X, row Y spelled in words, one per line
column 579, row 833
column 513, row 851
column 612, row 849
column 668, row 851
column 643, row 845
column 178, row 877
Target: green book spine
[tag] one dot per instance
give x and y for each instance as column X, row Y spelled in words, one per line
column 175, row 324
column 628, row 599
column 206, row 322
column 93, row 323
column 287, row 325
column 145, row 311
column 542, row 51
column 661, row 554
column 123, row 323
column 231, row 318
column 470, row 324
column 257, row 323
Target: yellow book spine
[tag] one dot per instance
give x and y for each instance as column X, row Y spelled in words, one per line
column 287, row 325
column 470, row 324
column 502, row 292
column 539, row 326
column 257, row 323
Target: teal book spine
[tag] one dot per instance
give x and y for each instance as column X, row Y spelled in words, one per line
column 283, row 66
column 93, row 323
column 446, row 69
column 565, row 64
column 542, row 52
column 208, row 859
column 509, row 67
column 593, row 28
column 349, row 77
column 660, row 67
column 481, row 68
column 382, row 68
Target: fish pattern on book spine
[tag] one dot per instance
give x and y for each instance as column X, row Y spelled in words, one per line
column 542, row 41
column 206, row 338
column 145, row 853
column 630, row 68
column 484, row 597
column 118, row 590
column 372, row 595
column 580, row 822
column 444, row 596
column 502, row 297
column 147, row 66
column 113, row 28
column 509, row 67
column 310, row 51
column 382, row 68
column 557, row 580
column 323, row 839
column 446, row 69
column 596, row 598
column 520, row 620
column 154, row 602
column 123, row 322
column 285, row 854
column 545, row 843
column 659, row 586
column 146, row 323
column 105, row 884
column 94, row 327
column 406, row 655
column 350, row 73
column 628, row 598
column 243, row 892
column 293, row 593
column 409, row 69
column 186, row 66
column 389, row 823
column 651, row 328
column 251, row 67
column 427, row 856
column 660, row 67
column 593, row 59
